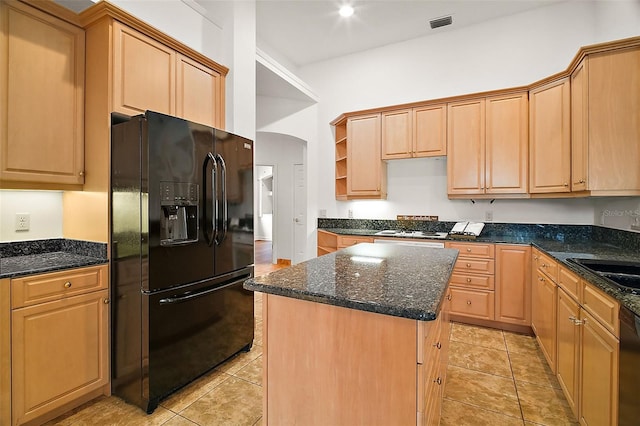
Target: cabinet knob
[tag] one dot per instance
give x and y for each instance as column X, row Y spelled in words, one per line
column 576, row 321
column 105, row 301
column 582, row 181
column 437, row 345
column 468, row 302
column 540, row 279
column 67, row 284
column 535, row 257
column 468, row 265
column 438, row 381
column 565, row 184
column 468, row 280
column 448, row 297
column 469, row 250
column 81, row 173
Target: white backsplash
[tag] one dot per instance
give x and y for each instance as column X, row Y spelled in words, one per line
column 44, row 208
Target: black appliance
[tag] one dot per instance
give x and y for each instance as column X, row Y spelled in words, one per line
column 181, row 247
column 629, row 373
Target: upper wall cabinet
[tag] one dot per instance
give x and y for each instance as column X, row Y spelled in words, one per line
column 42, row 97
column 148, row 75
column 360, row 171
column 414, row 132
column 487, row 144
column 550, row 138
column 609, row 116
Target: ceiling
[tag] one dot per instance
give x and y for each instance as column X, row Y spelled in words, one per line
column 307, row 31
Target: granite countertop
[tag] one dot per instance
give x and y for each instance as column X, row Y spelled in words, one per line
column 40, row 256
column 561, row 243
column 396, row 280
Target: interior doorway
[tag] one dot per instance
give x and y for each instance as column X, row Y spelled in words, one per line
column 265, row 203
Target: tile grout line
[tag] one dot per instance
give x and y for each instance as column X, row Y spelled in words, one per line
column 513, row 377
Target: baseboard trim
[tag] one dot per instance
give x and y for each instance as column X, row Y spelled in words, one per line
column 286, row 262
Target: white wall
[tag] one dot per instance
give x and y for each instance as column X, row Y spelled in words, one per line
column 44, row 207
column 507, row 52
column 263, row 222
column 282, row 152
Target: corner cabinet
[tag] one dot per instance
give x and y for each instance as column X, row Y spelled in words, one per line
column 59, row 342
column 360, row 171
column 550, row 138
column 42, row 70
column 488, row 146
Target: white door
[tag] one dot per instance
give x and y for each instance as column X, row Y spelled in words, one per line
column 299, row 213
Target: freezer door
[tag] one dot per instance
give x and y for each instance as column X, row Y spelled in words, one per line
column 234, row 226
column 179, row 187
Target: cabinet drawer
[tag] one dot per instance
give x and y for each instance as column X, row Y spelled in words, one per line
column 36, row 289
column 472, row 303
column 604, row 308
column 350, row 241
column 485, row 282
column 476, row 266
column 546, row 265
column 473, row 249
column 570, row 283
column 428, row 336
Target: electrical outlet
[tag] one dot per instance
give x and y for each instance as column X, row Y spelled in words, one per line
column 635, row 225
column 23, row 221
column 488, row 216
column 350, row 214
column 322, row 213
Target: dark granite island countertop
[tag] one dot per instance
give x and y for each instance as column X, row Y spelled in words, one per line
column 408, row 282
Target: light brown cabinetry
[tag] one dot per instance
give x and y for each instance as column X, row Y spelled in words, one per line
column 472, row 281
column 350, row 240
column 513, row 284
column 366, row 173
column 42, row 65
column 404, row 381
column 59, row 342
column 550, row 138
column 605, row 95
column 588, row 349
column 488, row 146
column 360, row 171
column 414, row 132
column 543, row 305
column 328, row 242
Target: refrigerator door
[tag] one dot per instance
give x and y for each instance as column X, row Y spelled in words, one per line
column 234, row 225
column 179, row 188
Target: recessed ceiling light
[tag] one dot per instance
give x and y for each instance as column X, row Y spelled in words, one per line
column 346, row 11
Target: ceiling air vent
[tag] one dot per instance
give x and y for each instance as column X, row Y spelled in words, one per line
column 440, row 22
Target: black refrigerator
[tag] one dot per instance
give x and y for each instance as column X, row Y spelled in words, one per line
column 181, row 247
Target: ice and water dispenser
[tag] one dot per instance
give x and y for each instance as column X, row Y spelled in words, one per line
column 179, row 220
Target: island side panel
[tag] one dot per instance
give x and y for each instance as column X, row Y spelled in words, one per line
column 326, row 364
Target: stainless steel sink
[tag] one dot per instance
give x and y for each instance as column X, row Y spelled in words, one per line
column 623, row 274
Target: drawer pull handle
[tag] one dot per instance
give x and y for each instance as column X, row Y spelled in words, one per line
column 67, row 284
column 468, row 265
column 437, row 345
column 448, row 297
column 544, row 265
column 468, row 280
column 576, row 321
column 438, row 381
column 469, row 250
column 540, row 279
column 468, row 302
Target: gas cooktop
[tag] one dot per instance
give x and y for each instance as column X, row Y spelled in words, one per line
column 414, row 234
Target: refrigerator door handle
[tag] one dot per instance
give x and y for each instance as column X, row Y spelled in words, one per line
column 209, row 290
column 214, row 204
column 225, row 207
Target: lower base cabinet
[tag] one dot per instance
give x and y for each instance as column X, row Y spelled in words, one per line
column 568, row 357
column 544, row 314
column 59, row 342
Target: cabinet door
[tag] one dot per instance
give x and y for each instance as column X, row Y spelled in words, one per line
column 144, row 73
column 364, row 168
column 599, row 374
column 466, row 147
column 550, row 138
column 41, row 97
column 430, row 131
column 568, row 334
column 507, row 137
column 614, row 125
column 543, row 316
column 513, row 284
column 397, row 134
column 199, row 95
column 59, row 353
column 579, row 126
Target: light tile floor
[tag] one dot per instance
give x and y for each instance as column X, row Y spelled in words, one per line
column 500, row 378
column 494, row 378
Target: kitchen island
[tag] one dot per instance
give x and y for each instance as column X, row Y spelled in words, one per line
column 356, row 337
